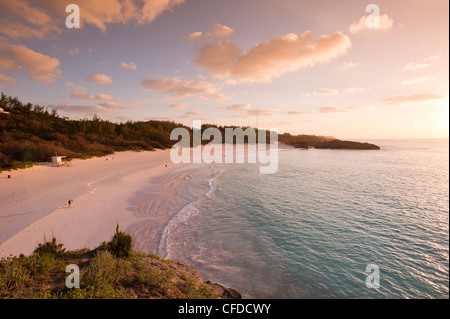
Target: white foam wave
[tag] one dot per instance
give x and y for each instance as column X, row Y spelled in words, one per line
column 180, row 217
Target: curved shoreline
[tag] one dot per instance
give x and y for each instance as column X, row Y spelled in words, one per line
column 93, row 214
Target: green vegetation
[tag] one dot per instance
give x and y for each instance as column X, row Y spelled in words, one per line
column 50, row 247
column 347, row 145
column 120, row 244
column 31, row 133
column 323, row 142
column 103, row 274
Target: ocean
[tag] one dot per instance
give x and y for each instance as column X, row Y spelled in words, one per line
column 312, row 229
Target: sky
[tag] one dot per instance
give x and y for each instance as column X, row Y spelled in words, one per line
column 332, row 68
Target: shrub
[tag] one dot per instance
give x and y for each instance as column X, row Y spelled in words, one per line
column 105, row 276
column 13, row 275
column 50, row 247
column 120, row 244
column 40, row 263
column 101, row 271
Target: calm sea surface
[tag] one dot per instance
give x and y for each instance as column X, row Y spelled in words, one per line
column 311, row 229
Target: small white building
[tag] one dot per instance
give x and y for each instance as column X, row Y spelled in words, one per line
column 57, row 160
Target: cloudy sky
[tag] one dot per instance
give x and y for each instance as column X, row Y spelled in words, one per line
column 313, row 67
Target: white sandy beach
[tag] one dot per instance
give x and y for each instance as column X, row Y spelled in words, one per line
column 33, row 202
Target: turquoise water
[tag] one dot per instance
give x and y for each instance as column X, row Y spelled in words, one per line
column 311, row 229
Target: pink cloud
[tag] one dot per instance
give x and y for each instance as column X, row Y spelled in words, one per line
column 298, row 112
column 325, row 92
column 415, row 98
column 102, row 79
column 361, row 26
column 178, row 106
column 216, row 31
column 40, row 67
column 83, row 109
column 191, row 114
column 330, row 109
column 87, row 96
column 75, row 87
column 102, row 13
column 26, row 19
column 237, row 107
column 415, row 66
column 255, row 113
column 8, row 80
column 129, row 66
column 178, row 88
column 417, row 79
column 268, row 60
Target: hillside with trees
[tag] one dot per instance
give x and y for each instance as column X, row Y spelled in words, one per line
column 323, row 142
column 32, row 133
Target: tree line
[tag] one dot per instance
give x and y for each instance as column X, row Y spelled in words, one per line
column 32, row 133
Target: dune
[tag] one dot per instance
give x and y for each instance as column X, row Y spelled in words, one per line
column 34, row 201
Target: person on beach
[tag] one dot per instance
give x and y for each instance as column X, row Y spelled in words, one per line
column 70, row 203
